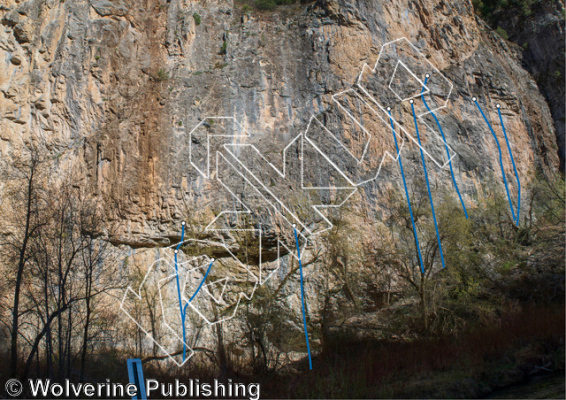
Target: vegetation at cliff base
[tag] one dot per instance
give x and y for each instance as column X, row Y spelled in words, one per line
column 487, row 8
column 386, row 327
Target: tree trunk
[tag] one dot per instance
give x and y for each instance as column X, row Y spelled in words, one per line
column 424, row 307
column 38, row 340
column 87, row 321
column 19, row 277
column 222, row 358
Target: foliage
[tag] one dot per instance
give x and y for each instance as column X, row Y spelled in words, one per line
column 270, row 5
column 489, row 8
column 266, row 5
column 197, row 19
column 490, row 262
column 162, row 75
column 345, row 278
column 502, row 33
column 266, row 327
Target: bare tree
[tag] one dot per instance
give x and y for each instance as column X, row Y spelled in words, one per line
column 23, row 213
column 55, row 240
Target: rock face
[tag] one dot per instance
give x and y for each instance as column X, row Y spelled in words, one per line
column 541, row 35
column 114, row 88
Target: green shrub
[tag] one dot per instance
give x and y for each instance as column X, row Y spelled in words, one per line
column 478, row 5
column 265, row 5
column 162, row 75
column 270, row 5
column 224, row 47
column 246, row 8
column 489, row 9
column 502, row 33
column 196, row 17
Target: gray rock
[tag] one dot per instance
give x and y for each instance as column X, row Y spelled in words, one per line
column 108, row 7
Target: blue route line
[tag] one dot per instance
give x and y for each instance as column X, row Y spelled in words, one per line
column 183, row 310
column 428, row 185
column 407, row 194
column 447, row 151
column 515, row 220
column 201, row 282
column 514, row 167
column 303, row 297
column 135, row 374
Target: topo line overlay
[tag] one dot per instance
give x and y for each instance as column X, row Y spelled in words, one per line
column 515, row 220
column 447, row 152
column 303, row 296
column 514, row 166
column 407, row 194
column 428, row 186
column 182, row 309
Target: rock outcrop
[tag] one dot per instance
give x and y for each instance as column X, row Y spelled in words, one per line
column 541, row 35
column 113, row 87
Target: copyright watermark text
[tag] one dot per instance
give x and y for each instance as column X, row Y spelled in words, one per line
column 192, row 388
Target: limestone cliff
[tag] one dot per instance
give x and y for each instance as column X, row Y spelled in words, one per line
column 113, row 87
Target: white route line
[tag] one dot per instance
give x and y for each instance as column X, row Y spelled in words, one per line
column 162, row 284
column 413, row 75
column 383, row 107
column 230, row 157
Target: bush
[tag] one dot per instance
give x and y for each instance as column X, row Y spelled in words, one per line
column 266, row 5
column 502, row 33
column 270, row 5
column 162, row 75
column 489, row 9
column 196, row 17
